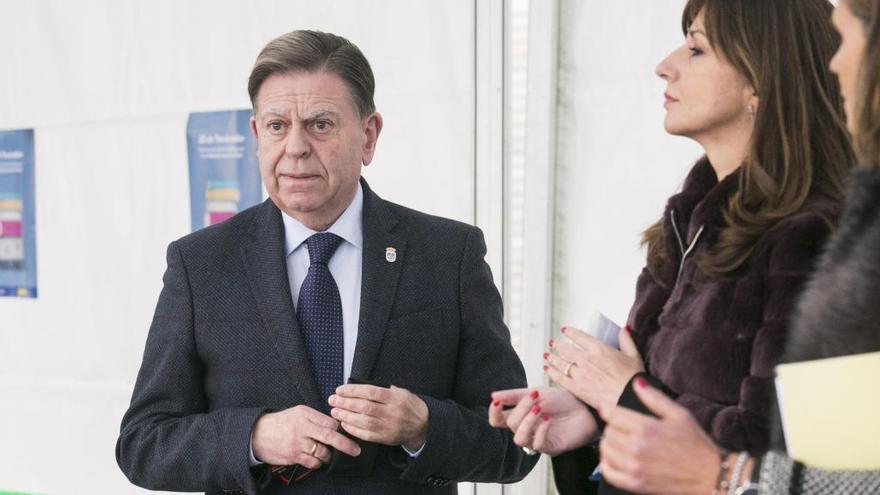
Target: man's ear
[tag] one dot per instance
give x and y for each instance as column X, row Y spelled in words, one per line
column 254, row 127
column 372, row 129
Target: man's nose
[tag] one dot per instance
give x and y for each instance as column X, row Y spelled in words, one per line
column 297, row 143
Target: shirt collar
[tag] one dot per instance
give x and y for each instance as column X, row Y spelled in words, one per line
column 348, row 226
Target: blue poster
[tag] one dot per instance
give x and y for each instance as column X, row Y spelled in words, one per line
column 224, row 177
column 18, row 260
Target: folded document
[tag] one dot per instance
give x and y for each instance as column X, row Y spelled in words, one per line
column 831, row 411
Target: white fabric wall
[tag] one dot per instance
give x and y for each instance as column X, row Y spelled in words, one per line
column 108, row 86
column 616, row 166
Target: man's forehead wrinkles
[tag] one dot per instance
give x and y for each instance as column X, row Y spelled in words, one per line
column 311, row 110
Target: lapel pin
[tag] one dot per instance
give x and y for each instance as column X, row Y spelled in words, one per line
column 390, row 254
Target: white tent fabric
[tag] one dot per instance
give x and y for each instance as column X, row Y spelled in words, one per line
column 615, row 163
column 108, row 87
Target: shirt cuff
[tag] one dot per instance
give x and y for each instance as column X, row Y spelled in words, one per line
column 416, row 453
column 253, row 460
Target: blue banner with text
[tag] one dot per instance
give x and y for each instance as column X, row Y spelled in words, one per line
column 224, row 177
column 18, row 260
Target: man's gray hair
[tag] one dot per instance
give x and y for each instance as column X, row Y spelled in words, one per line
column 315, row 51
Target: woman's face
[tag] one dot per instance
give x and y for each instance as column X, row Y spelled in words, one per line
column 848, row 59
column 705, row 95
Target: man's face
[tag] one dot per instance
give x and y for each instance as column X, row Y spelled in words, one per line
column 311, row 144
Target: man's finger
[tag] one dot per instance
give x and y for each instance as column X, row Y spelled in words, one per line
column 307, row 461
column 369, row 392
column 333, row 438
column 361, row 406
column 656, row 401
column 360, row 420
column 363, row 434
column 322, row 453
column 315, row 417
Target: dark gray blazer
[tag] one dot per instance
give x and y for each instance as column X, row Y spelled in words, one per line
column 224, row 348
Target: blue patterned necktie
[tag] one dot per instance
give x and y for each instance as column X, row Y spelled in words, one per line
column 319, row 312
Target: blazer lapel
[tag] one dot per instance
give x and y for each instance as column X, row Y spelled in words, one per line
column 380, row 274
column 264, row 260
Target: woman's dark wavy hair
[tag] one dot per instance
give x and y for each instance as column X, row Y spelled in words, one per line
column 799, row 146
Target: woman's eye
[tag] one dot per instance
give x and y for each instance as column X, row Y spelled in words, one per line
column 695, row 51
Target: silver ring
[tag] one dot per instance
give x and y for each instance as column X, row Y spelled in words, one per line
column 567, row 371
column 529, row 451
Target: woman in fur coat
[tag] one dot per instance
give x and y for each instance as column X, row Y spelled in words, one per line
column 839, row 314
column 731, row 254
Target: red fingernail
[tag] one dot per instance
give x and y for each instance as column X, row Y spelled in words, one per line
column 536, row 410
column 496, row 403
column 546, row 355
column 534, row 394
column 628, row 329
column 551, row 342
column 563, row 329
column 546, row 418
column 641, row 382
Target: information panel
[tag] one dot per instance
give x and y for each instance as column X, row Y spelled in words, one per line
column 224, row 177
column 18, row 261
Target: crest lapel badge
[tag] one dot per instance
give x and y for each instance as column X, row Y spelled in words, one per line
column 390, row 254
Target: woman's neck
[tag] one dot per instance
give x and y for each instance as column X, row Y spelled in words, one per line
column 727, row 151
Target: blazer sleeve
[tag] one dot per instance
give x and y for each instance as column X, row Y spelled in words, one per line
column 461, row 445
column 572, row 471
column 169, row 440
column 790, row 260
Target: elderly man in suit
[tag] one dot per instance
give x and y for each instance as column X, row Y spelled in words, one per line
column 264, row 318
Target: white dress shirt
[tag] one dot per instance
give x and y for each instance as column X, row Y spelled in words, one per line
column 345, row 266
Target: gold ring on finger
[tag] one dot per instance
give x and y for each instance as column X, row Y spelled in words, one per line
column 567, row 371
column 314, row 448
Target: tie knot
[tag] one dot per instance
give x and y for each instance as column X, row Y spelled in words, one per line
column 322, row 246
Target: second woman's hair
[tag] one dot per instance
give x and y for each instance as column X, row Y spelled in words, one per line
column 867, row 105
